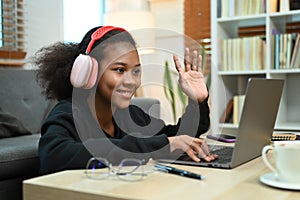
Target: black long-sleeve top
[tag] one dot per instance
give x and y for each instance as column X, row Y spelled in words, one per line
column 70, row 138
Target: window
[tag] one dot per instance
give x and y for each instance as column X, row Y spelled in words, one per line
column 80, row 16
column 12, row 32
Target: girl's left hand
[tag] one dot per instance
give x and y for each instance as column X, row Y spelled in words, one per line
column 191, row 79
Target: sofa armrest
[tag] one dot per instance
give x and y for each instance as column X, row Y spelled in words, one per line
column 19, row 156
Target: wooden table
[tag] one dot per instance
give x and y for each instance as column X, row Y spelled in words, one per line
column 239, row 183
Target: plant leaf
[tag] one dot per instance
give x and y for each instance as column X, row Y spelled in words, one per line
column 182, row 97
column 169, row 89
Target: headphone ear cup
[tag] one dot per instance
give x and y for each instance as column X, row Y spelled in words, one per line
column 84, row 72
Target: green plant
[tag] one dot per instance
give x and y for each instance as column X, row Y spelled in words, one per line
column 169, row 76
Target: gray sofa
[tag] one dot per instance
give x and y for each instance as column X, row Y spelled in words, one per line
column 21, row 96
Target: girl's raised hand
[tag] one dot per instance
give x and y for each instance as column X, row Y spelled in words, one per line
column 191, row 79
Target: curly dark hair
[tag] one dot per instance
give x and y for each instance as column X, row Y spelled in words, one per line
column 54, row 63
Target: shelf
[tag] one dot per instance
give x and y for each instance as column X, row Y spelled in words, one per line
column 11, row 63
column 232, row 23
column 228, row 125
column 223, row 73
column 243, row 19
column 285, row 71
column 293, row 126
column 252, row 18
column 232, row 82
column 10, row 54
column 278, row 127
column 291, row 13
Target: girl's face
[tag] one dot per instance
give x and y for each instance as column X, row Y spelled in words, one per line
column 120, row 75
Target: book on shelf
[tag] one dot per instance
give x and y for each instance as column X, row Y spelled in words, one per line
column 273, row 6
column 284, row 5
column 245, row 53
column 294, row 4
column 227, row 115
column 287, row 5
column 252, row 31
column 238, row 104
column 224, row 8
column 296, row 53
column 276, row 50
column 233, row 110
column 292, row 27
column 286, row 50
column 235, row 8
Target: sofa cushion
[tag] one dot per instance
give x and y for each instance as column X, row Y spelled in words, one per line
column 21, row 97
column 10, row 126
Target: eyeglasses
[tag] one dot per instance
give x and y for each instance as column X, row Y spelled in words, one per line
column 128, row 169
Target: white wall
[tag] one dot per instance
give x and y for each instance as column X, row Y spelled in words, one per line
column 44, row 24
column 169, row 17
column 168, row 14
column 44, row 20
column 79, row 17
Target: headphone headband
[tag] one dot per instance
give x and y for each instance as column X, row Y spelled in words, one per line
column 99, row 33
column 85, row 68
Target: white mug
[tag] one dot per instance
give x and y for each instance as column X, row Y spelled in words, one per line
column 287, row 160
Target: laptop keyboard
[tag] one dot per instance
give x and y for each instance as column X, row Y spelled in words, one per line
column 224, row 153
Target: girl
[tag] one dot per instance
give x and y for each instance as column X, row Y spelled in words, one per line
column 93, row 82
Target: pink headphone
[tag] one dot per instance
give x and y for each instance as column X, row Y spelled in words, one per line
column 85, row 68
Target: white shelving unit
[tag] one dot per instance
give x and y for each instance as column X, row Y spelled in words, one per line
column 226, row 84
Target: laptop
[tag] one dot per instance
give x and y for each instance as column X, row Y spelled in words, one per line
column 255, row 128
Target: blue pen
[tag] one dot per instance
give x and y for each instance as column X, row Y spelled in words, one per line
column 172, row 170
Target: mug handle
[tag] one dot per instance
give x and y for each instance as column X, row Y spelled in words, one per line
column 265, row 159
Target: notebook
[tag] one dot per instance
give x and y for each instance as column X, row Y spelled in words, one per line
column 255, row 128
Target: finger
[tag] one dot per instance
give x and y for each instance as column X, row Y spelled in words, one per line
column 195, row 60
column 196, row 143
column 197, row 147
column 205, row 148
column 202, row 154
column 209, row 156
column 192, row 155
column 187, row 59
column 203, row 151
column 199, row 63
column 214, row 156
column 177, row 64
column 193, row 144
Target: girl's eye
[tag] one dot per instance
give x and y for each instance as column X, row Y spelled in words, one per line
column 136, row 71
column 120, row 70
